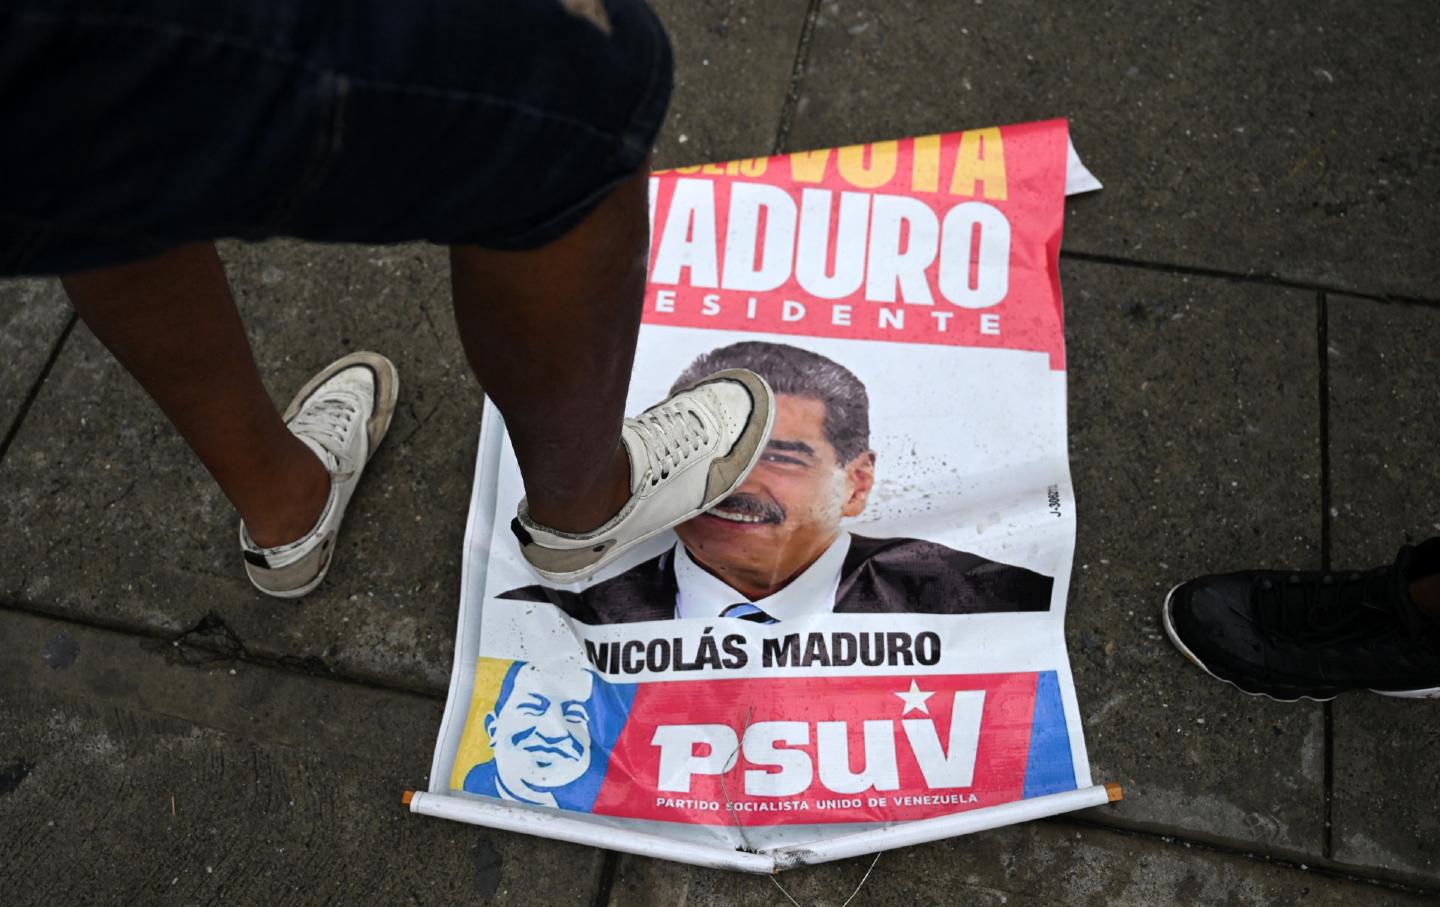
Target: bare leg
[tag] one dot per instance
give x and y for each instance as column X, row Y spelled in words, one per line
column 551, row 335
column 172, row 324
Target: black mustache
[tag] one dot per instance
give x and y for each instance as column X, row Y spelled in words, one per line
column 749, row 505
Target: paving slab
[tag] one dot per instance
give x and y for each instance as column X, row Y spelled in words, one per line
column 109, row 518
column 1045, row 863
column 1385, row 480
column 1194, row 418
column 33, row 313
column 733, row 62
column 1286, row 139
column 137, row 773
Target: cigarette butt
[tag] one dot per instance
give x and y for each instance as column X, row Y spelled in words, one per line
column 172, row 806
column 407, row 797
column 1113, row 790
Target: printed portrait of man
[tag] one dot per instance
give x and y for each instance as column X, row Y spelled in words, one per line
column 549, row 732
column 775, row 549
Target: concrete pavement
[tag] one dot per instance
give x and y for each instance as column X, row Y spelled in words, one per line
column 1253, row 308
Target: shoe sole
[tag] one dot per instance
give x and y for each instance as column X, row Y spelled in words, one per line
column 1423, row 693
column 387, row 391
column 609, row 556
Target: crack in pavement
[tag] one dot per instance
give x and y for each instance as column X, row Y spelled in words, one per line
column 212, row 641
column 421, row 422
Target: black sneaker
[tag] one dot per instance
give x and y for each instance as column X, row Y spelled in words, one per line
column 1312, row 635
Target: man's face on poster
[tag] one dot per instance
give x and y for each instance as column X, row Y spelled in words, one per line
column 788, row 511
column 541, row 734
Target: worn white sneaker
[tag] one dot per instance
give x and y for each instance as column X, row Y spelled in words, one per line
column 342, row 414
column 687, row 454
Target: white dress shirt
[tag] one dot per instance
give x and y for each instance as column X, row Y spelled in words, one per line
column 703, row 595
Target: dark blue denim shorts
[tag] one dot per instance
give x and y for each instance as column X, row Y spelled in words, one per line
column 128, row 128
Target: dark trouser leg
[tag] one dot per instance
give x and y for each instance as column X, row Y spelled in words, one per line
column 551, row 335
column 172, row 324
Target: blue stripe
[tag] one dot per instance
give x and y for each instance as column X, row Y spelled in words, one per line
column 1050, row 769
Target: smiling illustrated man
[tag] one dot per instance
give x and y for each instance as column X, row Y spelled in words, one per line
column 775, row 549
column 539, row 732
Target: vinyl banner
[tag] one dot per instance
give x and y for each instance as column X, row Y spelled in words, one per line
column 864, row 645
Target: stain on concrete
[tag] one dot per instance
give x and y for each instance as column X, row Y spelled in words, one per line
column 488, row 864
column 12, row 774
column 59, row 653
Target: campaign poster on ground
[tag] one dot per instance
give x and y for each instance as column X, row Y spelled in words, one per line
column 869, row 634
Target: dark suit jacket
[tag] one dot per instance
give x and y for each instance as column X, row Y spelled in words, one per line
column 879, row 575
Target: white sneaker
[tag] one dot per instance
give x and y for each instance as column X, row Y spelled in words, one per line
column 342, row 414
column 687, row 454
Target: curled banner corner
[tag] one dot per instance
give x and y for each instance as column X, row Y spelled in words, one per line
column 1078, row 178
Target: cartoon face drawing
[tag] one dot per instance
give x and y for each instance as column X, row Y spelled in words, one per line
column 539, row 730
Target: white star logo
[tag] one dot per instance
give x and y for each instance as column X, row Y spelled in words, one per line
column 914, row 699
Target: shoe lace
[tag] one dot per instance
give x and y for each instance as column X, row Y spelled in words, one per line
column 671, row 432
column 328, row 420
column 1331, row 608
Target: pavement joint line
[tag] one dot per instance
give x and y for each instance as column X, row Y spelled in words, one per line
column 1327, row 831
column 1251, row 277
column 609, row 867
column 1324, row 867
column 797, row 75
column 1322, row 333
column 34, row 390
column 298, row 666
column 1218, row 842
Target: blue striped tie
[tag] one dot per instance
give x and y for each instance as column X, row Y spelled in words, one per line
column 747, row 611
